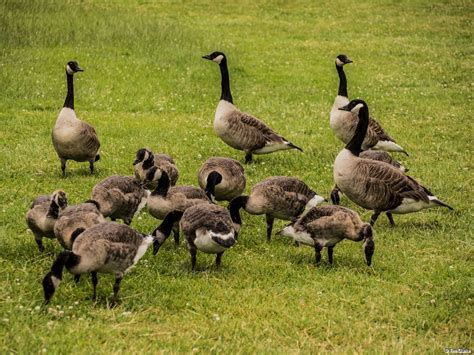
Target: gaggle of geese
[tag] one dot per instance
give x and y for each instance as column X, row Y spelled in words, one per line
column 363, row 171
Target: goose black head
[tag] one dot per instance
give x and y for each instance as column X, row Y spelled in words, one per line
column 60, row 198
column 369, row 244
column 73, row 67
column 354, row 106
column 342, row 60
column 142, row 155
column 217, row 57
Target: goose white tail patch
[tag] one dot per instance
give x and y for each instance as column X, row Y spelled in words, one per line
column 410, row 205
column 272, row 147
column 388, row 146
column 301, row 237
column 206, row 244
column 147, row 241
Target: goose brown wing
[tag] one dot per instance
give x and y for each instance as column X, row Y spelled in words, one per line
column 285, row 202
column 375, row 133
column 386, row 187
column 89, row 138
column 253, row 133
column 294, row 185
column 211, row 217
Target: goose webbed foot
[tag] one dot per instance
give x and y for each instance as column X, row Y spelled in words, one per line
column 390, row 219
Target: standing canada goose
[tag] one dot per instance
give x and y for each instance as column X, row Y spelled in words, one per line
column 238, row 129
column 165, row 199
column 277, row 197
column 72, row 218
column 43, row 214
column 374, row 155
column 343, row 123
column 120, row 197
column 325, row 226
column 145, row 161
column 107, row 248
column 377, row 185
column 206, row 227
column 74, row 139
column 223, row 178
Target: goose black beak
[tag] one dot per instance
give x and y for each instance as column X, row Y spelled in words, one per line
column 136, row 161
column 345, row 108
column 348, row 61
column 208, row 57
column 79, row 68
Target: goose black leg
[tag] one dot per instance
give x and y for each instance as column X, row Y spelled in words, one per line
column 77, row 278
column 91, row 167
column 218, row 259
column 330, row 253
column 193, row 252
column 39, row 242
column 374, row 217
column 63, row 167
column 269, row 226
column 317, row 249
column 94, row 285
column 335, row 198
column 390, row 219
column 248, row 158
column 176, row 236
column 118, row 280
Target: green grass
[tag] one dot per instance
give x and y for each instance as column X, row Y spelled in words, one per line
column 145, row 84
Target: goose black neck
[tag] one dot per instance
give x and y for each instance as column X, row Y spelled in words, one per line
column 342, row 91
column 69, row 102
column 163, row 185
column 355, row 144
column 225, row 82
column 213, row 179
column 234, row 208
column 149, row 162
column 167, row 225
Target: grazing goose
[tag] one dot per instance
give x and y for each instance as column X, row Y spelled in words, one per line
column 120, row 197
column 325, row 226
column 206, row 227
column 377, row 185
column 222, row 178
column 374, row 155
column 343, row 123
column 165, row 199
column 106, row 248
column 277, row 197
column 43, row 214
column 145, row 161
column 238, row 129
column 74, row 139
column 81, row 216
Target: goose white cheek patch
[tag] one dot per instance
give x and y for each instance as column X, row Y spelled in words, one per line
column 69, row 70
column 339, row 62
column 357, row 108
column 218, row 59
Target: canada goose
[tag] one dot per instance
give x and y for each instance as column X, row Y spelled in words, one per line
column 81, row 216
column 374, row 155
column 277, row 197
column 165, row 199
column 238, row 129
column 106, row 248
column 223, row 178
column 206, row 227
column 43, row 214
column 343, row 123
column 325, row 226
column 74, row 139
column 377, row 185
column 145, row 160
column 120, row 197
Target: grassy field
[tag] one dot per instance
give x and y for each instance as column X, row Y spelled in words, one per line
column 145, row 84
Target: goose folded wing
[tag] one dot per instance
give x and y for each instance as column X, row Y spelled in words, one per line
column 377, row 132
column 89, row 136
